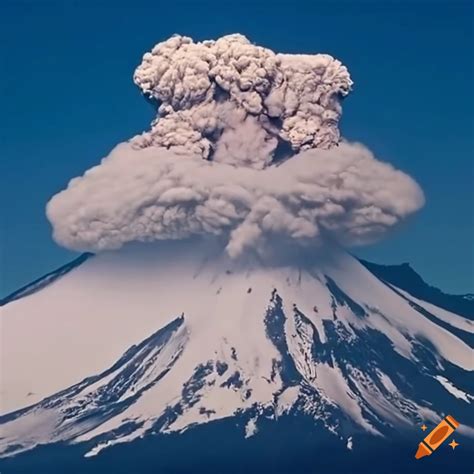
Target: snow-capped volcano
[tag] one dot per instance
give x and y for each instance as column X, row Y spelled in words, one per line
column 158, row 339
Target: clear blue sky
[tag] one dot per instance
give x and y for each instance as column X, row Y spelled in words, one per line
column 68, row 98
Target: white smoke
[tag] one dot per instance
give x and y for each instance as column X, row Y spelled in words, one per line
column 151, row 194
column 244, row 148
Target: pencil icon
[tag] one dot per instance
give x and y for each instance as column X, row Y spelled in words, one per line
column 436, row 437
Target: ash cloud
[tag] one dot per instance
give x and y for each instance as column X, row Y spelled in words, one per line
column 215, row 95
column 151, row 194
column 246, row 147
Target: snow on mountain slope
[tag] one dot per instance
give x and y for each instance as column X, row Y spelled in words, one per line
column 158, row 338
column 452, row 319
column 405, row 278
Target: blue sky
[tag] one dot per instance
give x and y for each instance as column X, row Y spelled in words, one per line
column 69, row 98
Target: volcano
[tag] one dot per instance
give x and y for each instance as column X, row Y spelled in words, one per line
column 137, row 355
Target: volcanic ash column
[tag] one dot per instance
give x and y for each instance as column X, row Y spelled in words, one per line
column 245, row 147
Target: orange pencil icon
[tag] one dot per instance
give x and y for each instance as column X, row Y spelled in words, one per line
column 436, row 437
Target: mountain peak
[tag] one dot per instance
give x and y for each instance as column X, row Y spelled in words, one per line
column 152, row 341
column 158, row 340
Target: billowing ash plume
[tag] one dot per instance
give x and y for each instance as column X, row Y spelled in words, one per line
column 212, row 163
column 151, row 194
column 216, row 95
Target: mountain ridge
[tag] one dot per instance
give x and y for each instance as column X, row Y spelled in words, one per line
column 403, row 276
